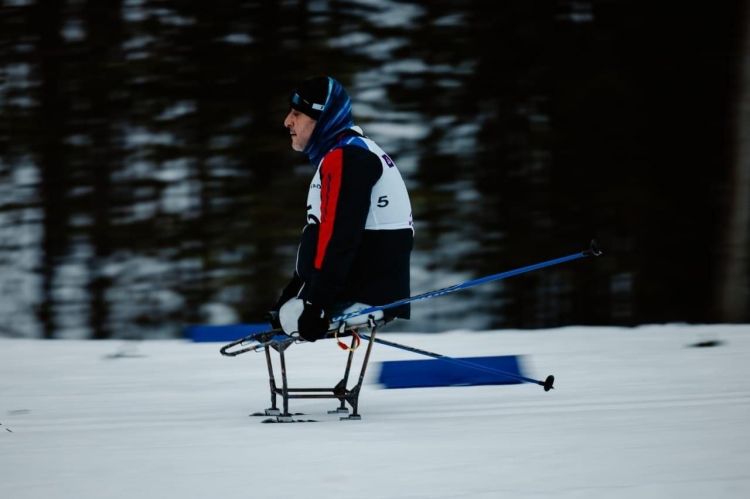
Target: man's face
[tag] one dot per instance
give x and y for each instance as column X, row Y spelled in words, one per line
column 300, row 128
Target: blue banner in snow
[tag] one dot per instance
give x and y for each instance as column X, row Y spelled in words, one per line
column 437, row 372
column 228, row 332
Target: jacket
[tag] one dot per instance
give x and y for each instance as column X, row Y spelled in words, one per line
column 357, row 243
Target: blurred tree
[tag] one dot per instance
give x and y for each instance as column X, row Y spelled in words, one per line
column 734, row 283
column 167, row 188
column 101, row 62
column 48, row 144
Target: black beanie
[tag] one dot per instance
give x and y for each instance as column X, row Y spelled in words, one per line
column 310, row 96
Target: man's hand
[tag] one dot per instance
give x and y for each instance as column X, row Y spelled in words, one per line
column 313, row 323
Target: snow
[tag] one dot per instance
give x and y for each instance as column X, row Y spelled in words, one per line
column 637, row 412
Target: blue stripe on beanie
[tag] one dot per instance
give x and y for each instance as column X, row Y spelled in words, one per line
column 335, row 118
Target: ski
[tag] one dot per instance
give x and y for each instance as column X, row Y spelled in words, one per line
column 256, row 341
column 277, row 417
column 278, row 338
column 288, row 419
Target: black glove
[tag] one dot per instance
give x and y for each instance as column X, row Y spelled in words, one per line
column 312, row 323
column 289, row 292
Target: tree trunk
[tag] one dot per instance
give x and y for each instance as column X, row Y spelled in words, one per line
column 103, row 40
column 734, row 295
column 52, row 163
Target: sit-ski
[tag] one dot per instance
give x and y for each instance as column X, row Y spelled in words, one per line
column 278, row 341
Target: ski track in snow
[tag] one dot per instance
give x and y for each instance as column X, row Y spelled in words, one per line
column 636, row 412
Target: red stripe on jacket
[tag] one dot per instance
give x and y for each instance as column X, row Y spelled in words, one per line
column 330, row 182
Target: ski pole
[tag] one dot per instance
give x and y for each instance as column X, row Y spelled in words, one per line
column 593, row 250
column 547, row 383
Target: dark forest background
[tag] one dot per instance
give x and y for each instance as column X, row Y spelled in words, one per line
column 147, row 183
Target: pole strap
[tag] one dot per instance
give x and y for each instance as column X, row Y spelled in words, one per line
column 356, row 341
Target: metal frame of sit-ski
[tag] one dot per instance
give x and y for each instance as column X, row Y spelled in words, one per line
column 339, row 391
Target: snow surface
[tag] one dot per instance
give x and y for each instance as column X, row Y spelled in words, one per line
column 636, row 413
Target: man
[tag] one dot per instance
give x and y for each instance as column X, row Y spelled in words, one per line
column 356, row 246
